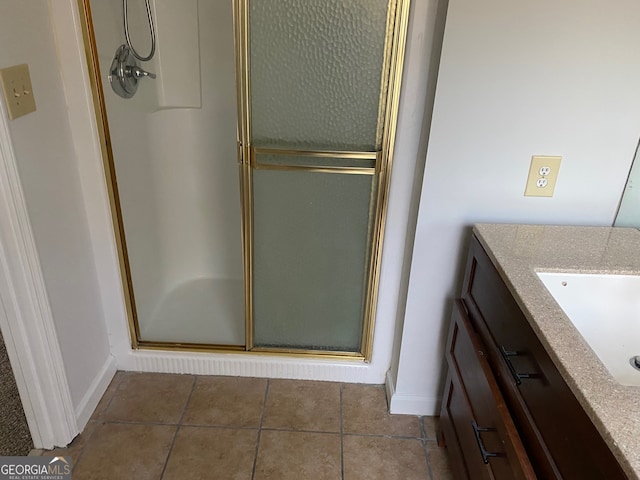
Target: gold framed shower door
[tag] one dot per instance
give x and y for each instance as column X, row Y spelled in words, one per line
column 376, row 163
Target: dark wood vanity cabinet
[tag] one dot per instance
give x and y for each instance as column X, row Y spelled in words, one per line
column 475, row 412
column 506, row 412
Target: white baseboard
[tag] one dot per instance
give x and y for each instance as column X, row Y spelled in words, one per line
column 90, row 401
column 390, row 387
column 410, row 404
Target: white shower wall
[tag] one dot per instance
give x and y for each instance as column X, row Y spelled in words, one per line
column 178, row 182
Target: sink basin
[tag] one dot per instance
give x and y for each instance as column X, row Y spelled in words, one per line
column 606, row 311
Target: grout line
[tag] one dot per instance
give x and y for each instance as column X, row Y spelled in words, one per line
column 86, row 442
column 186, row 405
column 122, row 375
column 264, row 407
column 424, row 447
column 113, row 395
column 219, row 427
column 118, row 383
column 97, row 421
column 341, row 436
column 199, row 425
column 166, row 460
column 298, row 430
column 264, row 403
column 381, row 435
column 175, row 434
column 426, row 458
column 131, row 422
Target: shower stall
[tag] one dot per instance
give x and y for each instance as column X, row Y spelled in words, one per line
column 248, row 162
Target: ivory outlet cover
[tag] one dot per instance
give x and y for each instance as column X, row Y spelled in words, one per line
column 18, row 94
column 543, row 174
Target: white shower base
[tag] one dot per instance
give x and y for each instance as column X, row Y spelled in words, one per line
column 204, row 310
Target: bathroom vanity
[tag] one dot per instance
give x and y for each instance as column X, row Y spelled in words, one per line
column 525, row 396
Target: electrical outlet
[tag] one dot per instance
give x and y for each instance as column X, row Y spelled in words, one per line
column 18, row 93
column 543, row 174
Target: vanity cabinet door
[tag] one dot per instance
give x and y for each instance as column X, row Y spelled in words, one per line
column 561, row 440
column 477, row 428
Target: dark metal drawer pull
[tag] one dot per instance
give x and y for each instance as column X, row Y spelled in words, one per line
column 476, row 431
column 516, row 376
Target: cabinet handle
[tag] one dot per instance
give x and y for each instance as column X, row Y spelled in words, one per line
column 516, row 376
column 483, row 451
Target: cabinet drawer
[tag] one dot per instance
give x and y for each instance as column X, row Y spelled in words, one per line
column 474, row 415
column 560, row 438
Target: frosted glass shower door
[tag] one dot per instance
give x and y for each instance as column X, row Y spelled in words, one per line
column 317, row 74
column 311, row 251
column 316, row 91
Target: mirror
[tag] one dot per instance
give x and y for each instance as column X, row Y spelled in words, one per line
column 629, row 210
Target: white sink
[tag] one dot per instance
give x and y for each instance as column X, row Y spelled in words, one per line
column 606, row 311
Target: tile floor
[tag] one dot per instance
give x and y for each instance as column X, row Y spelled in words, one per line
column 161, row 426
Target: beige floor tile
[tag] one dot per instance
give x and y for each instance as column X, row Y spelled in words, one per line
column 74, row 449
column 125, row 451
column 303, row 405
column 298, row 455
column 150, row 397
column 384, row 458
column 364, row 411
column 226, row 401
column 200, row 451
column 439, row 462
column 101, row 409
column 431, row 425
column 122, row 450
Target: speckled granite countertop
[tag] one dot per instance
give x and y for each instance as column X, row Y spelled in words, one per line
column 518, row 251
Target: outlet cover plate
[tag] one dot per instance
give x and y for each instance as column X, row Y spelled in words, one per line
column 538, row 162
column 18, row 94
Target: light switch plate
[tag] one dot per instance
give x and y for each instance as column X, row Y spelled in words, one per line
column 18, row 94
column 543, row 174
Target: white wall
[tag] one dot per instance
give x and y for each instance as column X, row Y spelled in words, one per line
column 426, row 25
column 516, row 79
column 48, row 170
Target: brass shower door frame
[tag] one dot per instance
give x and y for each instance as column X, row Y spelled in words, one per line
column 382, row 159
column 102, row 125
column 395, row 43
